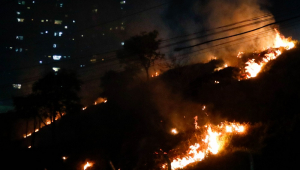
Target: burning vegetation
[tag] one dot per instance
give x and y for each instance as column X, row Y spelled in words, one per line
column 254, row 62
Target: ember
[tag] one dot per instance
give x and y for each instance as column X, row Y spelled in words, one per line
column 87, row 165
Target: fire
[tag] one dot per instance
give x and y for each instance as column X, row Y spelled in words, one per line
column 100, row 100
column 156, row 74
column 253, row 67
column 87, row 165
column 85, row 108
column 36, row 130
column 64, row 158
column 212, row 141
column 174, row 131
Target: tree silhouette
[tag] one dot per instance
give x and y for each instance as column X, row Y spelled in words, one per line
column 141, row 51
column 57, row 93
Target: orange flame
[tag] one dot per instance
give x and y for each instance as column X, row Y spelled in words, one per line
column 252, row 68
column 174, row 131
column 212, row 143
column 87, row 165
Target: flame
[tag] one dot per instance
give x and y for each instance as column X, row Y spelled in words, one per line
column 64, row 158
column 87, row 165
column 36, row 130
column 213, row 142
column 100, row 100
column 252, row 67
column 86, row 107
column 156, row 74
column 174, row 131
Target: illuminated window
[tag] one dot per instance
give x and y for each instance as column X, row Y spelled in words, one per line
column 55, row 34
column 73, row 21
column 42, row 20
column 73, row 39
column 41, row 62
column 95, row 10
column 21, row 2
column 66, row 27
column 116, row 28
column 49, row 56
column 56, row 57
column 61, row 5
column 110, row 29
column 55, row 69
column 60, row 33
column 122, row 2
column 19, row 37
column 10, row 48
column 66, row 15
column 21, row 49
column 58, row 22
column 17, row 50
column 46, row 20
column 46, row 32
column 65, row 56
column 17, row 86
column 122, row 43
column 18, row 13
column 20, row 19
column 28, row 7
column 54, row 45
column 69, row 56
column 33, row 2
column 122, row 28
column 81, row 35
column 42, row 32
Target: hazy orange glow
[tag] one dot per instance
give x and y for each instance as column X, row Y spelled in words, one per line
column 212, row 141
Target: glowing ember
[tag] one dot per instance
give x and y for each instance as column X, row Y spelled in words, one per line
column 100, row 100
column 253, row 67
column 64, row 158
column 48, row 122
column 174, row 131
column 217, row 82
column 36, row 130
column 29, row 147
column 156, row 74
column 87, row 165
column 213, row 142
column 86, row 107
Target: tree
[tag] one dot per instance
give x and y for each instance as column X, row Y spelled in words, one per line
column 57, row 92
column 141, row 51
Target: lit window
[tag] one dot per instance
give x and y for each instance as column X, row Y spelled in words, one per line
column 116, row 28
column 28, row 7
column 55, row 34
column 49, row 56
column 122, row 2
column 66, row 27
column 60, row 33
column 95, row 10
column 42, row 32
column 81, row 35
column 42, row 20
column 103, row 34
column 17, row 50
column 11, row 48
column 21, row 49
column 19, row 37
column 56, row 57
column 66, row 15
column 54, row 45
column 65, row 56
column 73, row 21
column 17, row 86
column 41, row 62
column 110, row 29
column 69, row 56
column 55, row 69
column 33, row 2
column 21, row 2
column 18, row 12
column 122, row 43
column 61, row 5
column 31, row 19
column 58, row 22
column 20, row 19
column 46, row 32
column 122, row 28
column 46, row 20
column 73, row 39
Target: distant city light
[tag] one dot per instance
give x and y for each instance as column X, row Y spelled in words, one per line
column 66, row 27
column 56, row 57
column 33, row 2
column 20, row 19
column 54, row 45
column 46, row 32
column 122, row 43
column 73, row 21
column 60, row 33
column 17, row 86
column 18, row 12
column 55, row 69
column 41, row 62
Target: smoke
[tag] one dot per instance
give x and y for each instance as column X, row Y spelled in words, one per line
column 209, row 15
